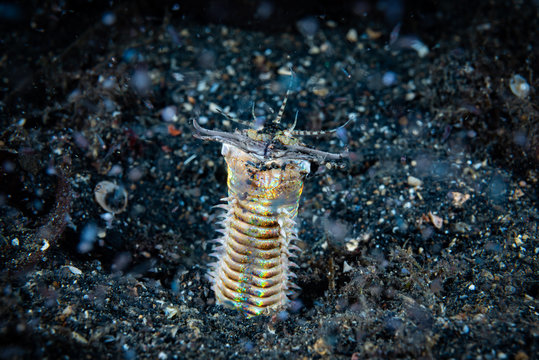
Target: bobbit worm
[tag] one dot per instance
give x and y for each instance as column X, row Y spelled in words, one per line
column 266, row 170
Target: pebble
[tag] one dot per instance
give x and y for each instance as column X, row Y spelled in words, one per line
column 351, row 35
column 284, row 70
column 519, row 87
column 74, row 270
column 409, row 96
column 458, row 198
column 413, row 181
column 314, row 50
column 214, row 107
column 352, row 245
column 321, row 91
column 437, row 221
column 230, row 70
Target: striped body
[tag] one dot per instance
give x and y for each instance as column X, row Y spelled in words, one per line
column 252, row 271
column 266, row 170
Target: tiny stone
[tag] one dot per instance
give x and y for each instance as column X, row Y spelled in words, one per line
column 285, row 71
column 331, row 24
column 413, row 181
column 351, row 35
column 74, row 270
column 322, row 92
column 519, row 86
column 214, row 107
column 352, row 245
column 230, row 71
column 45, row 245
column 410, row 96
column 314, row 50
column 324, row 47
column 436, row 221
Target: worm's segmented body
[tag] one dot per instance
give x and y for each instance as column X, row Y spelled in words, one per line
column 266, row 171
column 252, row 271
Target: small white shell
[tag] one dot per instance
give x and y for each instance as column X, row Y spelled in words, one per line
column 111, row 197
column 519, row 86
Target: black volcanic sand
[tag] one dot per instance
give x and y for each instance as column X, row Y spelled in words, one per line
column 424, row 246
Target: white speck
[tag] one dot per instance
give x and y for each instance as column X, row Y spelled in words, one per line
column 189, row 159
column 45, row 245
column 107, row 216
column 202, row 120
column 178, row 76
column 471, row 287
column 230, row 70
column 74, row 270
column 202, row 86
column 15, row 242
column 465, row 329
column 214, row 107
column 421, row 49
column 346, row 268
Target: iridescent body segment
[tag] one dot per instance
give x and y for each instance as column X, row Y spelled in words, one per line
column 266, row 171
